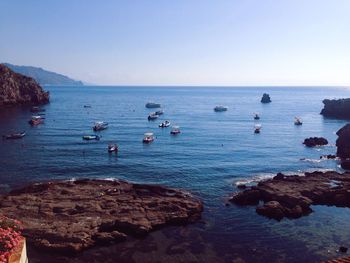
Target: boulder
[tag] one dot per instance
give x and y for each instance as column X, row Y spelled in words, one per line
column 272, row 209
column 265, row 98
column 343, row 142
column 315, row 141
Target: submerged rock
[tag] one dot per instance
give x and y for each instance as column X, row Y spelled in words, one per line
column 292, row 196
column 17, row 89
column 69, row 216
column 265, row 98
column 339, row 109
column 315, row 141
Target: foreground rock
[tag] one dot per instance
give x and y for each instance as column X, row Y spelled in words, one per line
column 17, row 89
column 69, row 216
column 339, row 109
column 292, row 196
column 315, row 141
column 265, row 98
column 343, row 146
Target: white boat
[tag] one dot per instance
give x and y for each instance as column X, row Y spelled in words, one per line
column 175, row 130
column 164, row 124
column 151, row 105
column 220, row 108
column 257, row 128
column 153, row 116
column 100, row 125
column 112, row 148
column 148, row 137
column 91, row 137
column 297, row 121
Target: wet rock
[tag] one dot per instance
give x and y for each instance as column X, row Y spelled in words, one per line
column 328, row 157
column 345, row 164
column 315, row 141
column 241, row 186
column 95, row 212
column 17, row 89
column 343, row 249
column 339, row 109
column 292, row 196
column 343, row 142
column 265, row 98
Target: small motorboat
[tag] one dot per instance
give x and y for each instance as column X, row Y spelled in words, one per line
column 100, row 126
column 91, row 137
column 297, row 121
column 112, row 148
column 153, row 116
column 256, row 116
column 36, row 120
column 148, row 137
column 164, row 124
column 87, row 106
column 18, row 135
column 159, row 112
column 175, row 130
column 36, row 109
column 152, row 105
column 220, row 108
column 257, row 128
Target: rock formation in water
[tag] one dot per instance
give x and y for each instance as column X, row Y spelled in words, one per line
column 69, row 216
column 315, row 141
column 292, row 196
column 17, row 89
column 343, row 146
column 265, row 98
column 339, row 109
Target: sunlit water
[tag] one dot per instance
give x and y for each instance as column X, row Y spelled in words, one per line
column 213, row 153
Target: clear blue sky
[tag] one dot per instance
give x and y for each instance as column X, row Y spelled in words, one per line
column 181, row 42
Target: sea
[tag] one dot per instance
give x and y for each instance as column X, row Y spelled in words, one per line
column 214, row 152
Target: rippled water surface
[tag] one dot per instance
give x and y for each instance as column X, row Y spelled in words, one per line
column 213, row 153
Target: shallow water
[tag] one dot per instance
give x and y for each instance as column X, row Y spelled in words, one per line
column 213, row 153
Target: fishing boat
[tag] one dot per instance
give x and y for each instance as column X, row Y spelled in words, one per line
column 100, row 125
column 151, row 105
column 36, row 120
column 220, row 108
column 164, row 124
column 159, row 112
column 175, row 130
column 91, row 137
column 297, row 121
column 112, row 148
column 257, row 128
column 18, row 135
column 36, row 109
column 148, row 137
column 153, row 116
column 256, row 116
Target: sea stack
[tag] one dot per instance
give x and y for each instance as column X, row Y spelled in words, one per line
column 17, row 89
column 315, row 141
column 343, row 146
column 339, row 109
column 265, row 98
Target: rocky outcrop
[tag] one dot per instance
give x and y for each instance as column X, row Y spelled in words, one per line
column 315, row 141
column 343, row 146
column 69, row 216
column 17, row 89
column 265, row 98
column 339, row 109
column 292, row 196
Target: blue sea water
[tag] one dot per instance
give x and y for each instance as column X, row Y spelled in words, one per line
column 214, row 151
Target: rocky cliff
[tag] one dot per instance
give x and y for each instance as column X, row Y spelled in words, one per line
column 17, row 89
column 339, row 109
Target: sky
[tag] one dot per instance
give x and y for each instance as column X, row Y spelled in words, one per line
column 181, row 42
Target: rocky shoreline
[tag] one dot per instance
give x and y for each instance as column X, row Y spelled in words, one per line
column 70, row 216
column 292, row 196
column 339, row 109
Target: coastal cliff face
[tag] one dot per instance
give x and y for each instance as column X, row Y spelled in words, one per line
column 339, row 109
column 17, row 89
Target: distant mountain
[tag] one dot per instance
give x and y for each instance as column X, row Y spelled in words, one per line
column 44, row 77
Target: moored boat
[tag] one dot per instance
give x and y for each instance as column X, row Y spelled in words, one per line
column 36, row 109
column 220, row 108
column 297, row 121
column 256, row 116
column 91, row 137
column 112, row 148
column 36, row 120
column 159, row 112
column 153, row 116
column 148, row 137
column 164, row 124
column 18, row 135
column 257, row 128
column 175, row 130
column 100, row 125
column 151, row 105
